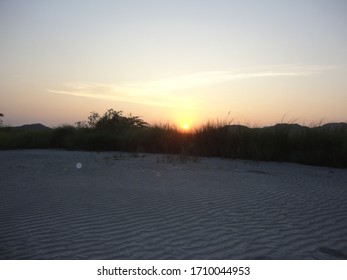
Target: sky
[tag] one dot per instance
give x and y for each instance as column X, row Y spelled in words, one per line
column 249, row 62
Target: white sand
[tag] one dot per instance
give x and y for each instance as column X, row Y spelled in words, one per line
column 116, row 206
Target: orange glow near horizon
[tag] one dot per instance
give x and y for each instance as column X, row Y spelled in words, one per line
column 186, row 120
column 185, row 127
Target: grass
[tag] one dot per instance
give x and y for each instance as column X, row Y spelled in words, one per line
column 283, row 142
column 21, row 139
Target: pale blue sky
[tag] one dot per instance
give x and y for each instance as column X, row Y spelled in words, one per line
column 177, row 61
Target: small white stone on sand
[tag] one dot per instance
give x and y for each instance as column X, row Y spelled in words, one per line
column 79, row 165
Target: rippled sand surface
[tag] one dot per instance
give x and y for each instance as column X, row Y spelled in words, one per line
column 82, row 205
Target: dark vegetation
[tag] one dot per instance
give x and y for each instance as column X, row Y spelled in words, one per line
column 1, row 121
column 324, row 145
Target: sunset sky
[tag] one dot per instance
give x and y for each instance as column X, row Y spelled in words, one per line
column 177, row 61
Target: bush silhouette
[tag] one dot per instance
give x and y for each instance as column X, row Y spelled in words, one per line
column 114, row 120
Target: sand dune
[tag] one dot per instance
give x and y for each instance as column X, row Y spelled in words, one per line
column 118, row 206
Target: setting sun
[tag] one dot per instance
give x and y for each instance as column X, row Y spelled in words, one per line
column 185, row 127
column 185, row 120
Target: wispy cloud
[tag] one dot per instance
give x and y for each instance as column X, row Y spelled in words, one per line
column 160, row 92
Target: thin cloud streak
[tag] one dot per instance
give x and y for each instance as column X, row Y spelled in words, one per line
column 160, row 92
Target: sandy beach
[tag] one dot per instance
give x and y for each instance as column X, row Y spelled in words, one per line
column 86, row 205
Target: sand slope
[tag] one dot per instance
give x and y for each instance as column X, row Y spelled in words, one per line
column 118, row 206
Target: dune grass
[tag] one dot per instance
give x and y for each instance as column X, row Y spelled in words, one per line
column 21, row 139
column 320, row 145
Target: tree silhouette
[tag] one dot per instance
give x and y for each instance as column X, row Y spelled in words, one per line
column 93, row 119
column 112, row 120
column 1, row 121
